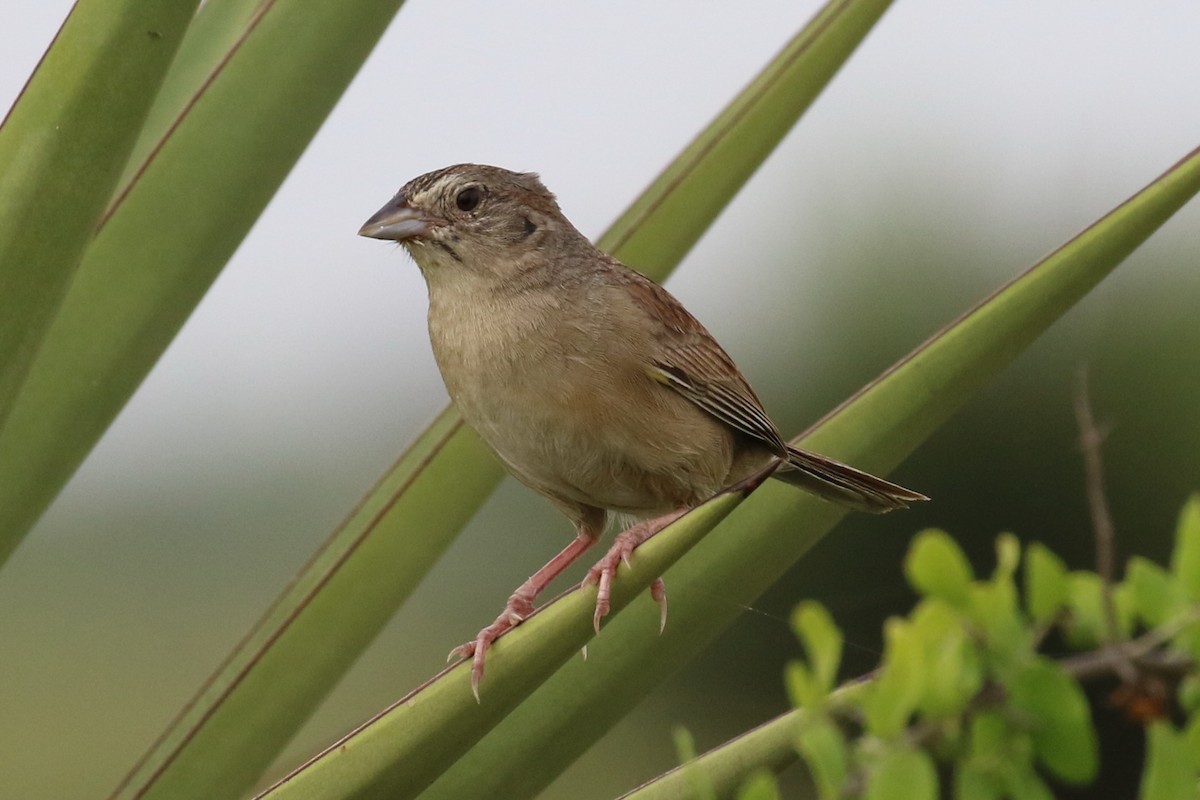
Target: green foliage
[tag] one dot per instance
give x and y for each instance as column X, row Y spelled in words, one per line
column 902, row 773
column 824, row 749
column 1045, row 584
column 822, row 642
column 685, row 750
column 1053, row 706
column 961, row 681
column 1185, row 561
column 937, row 567
column 1170, row 765
column 759, row 786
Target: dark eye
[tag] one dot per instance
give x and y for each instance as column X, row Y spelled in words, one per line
column 468, row 199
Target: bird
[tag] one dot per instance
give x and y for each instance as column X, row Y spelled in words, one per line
column 590, row 382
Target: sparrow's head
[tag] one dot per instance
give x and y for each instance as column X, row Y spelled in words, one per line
column 484, row 219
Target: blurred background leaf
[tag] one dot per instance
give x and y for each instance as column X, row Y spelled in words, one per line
column 62, row 147
column 170, row 231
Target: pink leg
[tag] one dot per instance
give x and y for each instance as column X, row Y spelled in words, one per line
column 606, row 568
column 520, row 605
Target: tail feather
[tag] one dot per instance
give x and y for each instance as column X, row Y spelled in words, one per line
column 843, row 484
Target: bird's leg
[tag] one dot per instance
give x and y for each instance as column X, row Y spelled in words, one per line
column 520, row 604
column 606, row 568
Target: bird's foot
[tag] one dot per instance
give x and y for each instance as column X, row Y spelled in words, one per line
column 605, row 570
column 519, row 606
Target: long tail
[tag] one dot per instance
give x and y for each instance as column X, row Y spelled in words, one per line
column 844, row 484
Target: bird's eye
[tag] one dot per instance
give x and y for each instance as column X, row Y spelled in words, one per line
column 468, row 199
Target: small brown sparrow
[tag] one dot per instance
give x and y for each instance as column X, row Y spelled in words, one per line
column 593, row 385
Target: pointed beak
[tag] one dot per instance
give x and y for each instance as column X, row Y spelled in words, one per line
column 397, row 221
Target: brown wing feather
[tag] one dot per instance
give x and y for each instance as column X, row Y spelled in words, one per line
column 690, row 361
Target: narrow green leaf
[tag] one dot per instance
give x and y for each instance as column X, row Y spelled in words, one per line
column 766, row 535
column 771, row 746
column 212, row 36
column 62, row 147
column 1061, row 722
column 1185, row 561
column 903, row 773
column 689, row 194
column 1046, row 584
column 268, row 687
column 404, row 748
column 937, row 567
column 167, row 235
column 1170, row 771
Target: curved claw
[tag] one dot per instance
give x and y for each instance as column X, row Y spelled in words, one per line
column 658, row 591
column 605, row 569
column 514, row 613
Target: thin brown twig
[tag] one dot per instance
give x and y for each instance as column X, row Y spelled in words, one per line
column 1090, row 440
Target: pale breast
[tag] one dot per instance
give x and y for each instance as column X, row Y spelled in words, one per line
column 561, row 396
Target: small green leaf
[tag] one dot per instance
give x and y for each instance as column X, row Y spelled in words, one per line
column 803, row 689
column 951, row 655
column 1000, row 756
column 823, row 747
column 1185, row 561
column 759, row 785
column 822, row 642
column 1086, row 629
column 959, row 668
column 1024, row 784
column 934, row 619
column 685, row 744
column 903, row 773
column 1045, row 583
column 937, row 567
column 1188, row 693
column 1008, row 556
column 1170, row 771
column 1088, row 624
column 992, row 738
column 971, row 783
column 1192, row 733
column 1059, row 719
column 1187, row 641
column 1156, row 595
column 685, row 751
column 994, row 609
column 901, row 683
